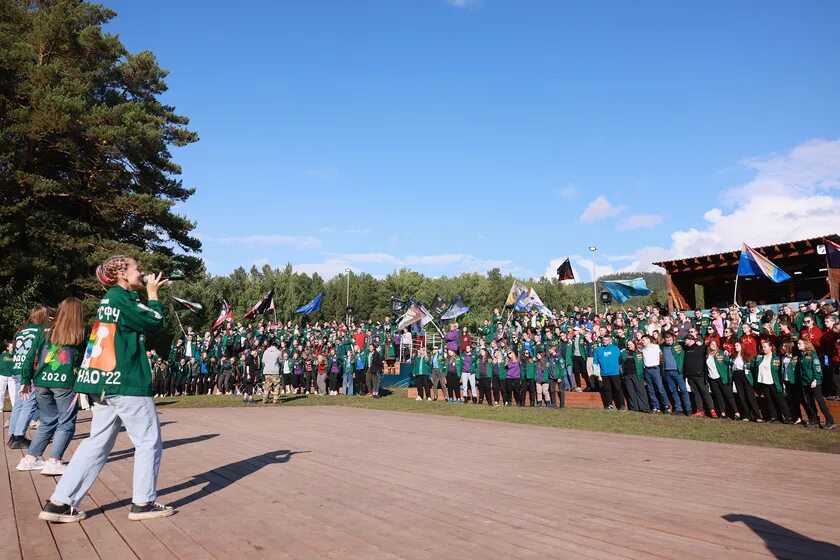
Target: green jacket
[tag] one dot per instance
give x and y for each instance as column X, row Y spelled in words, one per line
column 51, row 365
column 775, row 370
column 722, row 363
column 422, row 366
column 556, row 366
column 24, row 346
column 115, row 361
column 6, row 363
column 679, row 356
column 639, row 361
column 810, row 369
column 529, row 370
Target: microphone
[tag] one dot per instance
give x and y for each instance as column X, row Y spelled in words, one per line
column 172, row 276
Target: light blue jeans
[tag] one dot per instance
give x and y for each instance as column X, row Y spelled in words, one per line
column 58, row 421
column 348, row 384
column 23, row 413
column 676, row 386
column 141, row 423
column 569, row 380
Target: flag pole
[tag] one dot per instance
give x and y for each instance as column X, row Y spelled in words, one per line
column 735, row 295
column 179, row 322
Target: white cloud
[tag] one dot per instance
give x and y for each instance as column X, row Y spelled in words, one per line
column 298, row 242
column 792, row 196
column 599, row 209
column 433, row 265
column 326, row 269
column 359, row 231
column 568, row 192
column 581, row 267
column 463, row 3
column 640, row 221
column 259, row 263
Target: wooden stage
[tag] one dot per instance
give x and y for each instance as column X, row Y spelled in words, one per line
column 340, row 482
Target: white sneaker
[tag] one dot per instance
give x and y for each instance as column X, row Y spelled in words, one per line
column 419, row 398
column 33, row 464
column 53, row 468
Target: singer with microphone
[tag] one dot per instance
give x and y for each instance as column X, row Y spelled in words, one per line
column 117, row 375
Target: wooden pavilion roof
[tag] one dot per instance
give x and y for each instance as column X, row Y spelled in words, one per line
column 729, row 259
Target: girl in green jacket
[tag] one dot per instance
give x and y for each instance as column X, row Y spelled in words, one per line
column 59, row 351
column 115, row 369
column 633, row 375
column 766, row 369
column 811, row 375
column 720, row 380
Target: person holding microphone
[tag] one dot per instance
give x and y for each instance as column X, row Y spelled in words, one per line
column 117, row 375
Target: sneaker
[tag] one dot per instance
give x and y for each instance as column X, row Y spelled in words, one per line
column 19, row 442
column 152, row 510
column 699, row 413
column 713, row 414
column 655, row 411
column 419, row 398
column 610, row 407
column 60, row 513
column 828, row 426
column 30, row 463
column 53, row 468
column 578, row 390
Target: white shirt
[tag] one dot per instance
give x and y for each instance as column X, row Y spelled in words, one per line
column 651, row 354
column 765, row 374
column 738, row 362
column 711, row 367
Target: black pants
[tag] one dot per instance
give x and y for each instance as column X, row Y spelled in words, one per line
column 723, row 397
column 424, row 386
column 795, row 400
column 224, row 383
column 813, row 396
column 307, row 380
column 170, row 385
column 613, row 393
column 529, row 386
column 497, row 389
column 557, row 393
column 453, row 385
column 774, row 400
column 637, row 394
column 519, row 391
column 332, row 380
column 484, row 392
column 509, row 390
column 579, row 369
column 700, row 388
column 359, row 387
column 157, row 385
column 747, row 404
column 831, row 380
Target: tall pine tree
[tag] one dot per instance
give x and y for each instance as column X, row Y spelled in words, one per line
column 85, row 163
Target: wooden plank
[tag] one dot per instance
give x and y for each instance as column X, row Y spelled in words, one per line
column 9, row 543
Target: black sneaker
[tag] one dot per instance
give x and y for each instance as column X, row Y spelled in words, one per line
column 19, row 442
column 828, row 426
column 152, row 510
column 60, row 513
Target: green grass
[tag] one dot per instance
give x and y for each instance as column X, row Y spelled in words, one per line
column 595, row 420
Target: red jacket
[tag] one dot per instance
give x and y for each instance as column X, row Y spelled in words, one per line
column 814, row 334
column 749, row 342
column 831, row 346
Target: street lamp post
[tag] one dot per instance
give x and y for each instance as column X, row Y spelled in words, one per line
column 593, row 248
column 346, row 312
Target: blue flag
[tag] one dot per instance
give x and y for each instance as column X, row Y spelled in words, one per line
column 311, row 307
column 622, row 290
column 753, row 263
column 521, row 303
column 456, row 309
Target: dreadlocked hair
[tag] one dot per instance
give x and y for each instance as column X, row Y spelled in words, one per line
column 108, row 272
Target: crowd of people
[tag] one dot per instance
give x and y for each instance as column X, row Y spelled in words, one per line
column 737, row 363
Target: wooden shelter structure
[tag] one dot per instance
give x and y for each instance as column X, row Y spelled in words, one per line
column 709, row 280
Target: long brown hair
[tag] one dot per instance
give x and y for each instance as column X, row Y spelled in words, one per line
column 39, row 315
column 68, row 327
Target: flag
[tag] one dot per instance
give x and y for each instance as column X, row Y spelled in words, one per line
column 225, row 314
column 564, row 271
column 622, row 290
column 457, row 308
column 438, row 305
column 753, row 263
column 266, row 303
column 832, row 256
column 521, row 303
column 412, row 315
column 427, row 317
column 398, row 306
column 535, row 302
column 517, row 288
column 311, row 307
column 184, row 305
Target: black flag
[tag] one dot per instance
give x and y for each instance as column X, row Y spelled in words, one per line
column 438, row 306
column 398, row 306
column 184, row 305
column 564, row 271
column 266, row 303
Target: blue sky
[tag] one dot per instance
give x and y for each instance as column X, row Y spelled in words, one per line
column 457, row 135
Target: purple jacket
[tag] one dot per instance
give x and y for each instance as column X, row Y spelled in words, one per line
column 451, row 340
column 513, row 369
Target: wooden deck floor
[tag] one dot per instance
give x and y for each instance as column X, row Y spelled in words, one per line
column 323, row 482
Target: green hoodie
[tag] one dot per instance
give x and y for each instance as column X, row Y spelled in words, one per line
column 51, row 365
column 24, row 346
column 115, row 361
column 6, row 363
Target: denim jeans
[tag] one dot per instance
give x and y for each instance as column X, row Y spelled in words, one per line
column 348, row 383
column 676, row 386
column 58, row 421
column 141, row 423
column 569, row 381
column 23, row 412
column 653, row 378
